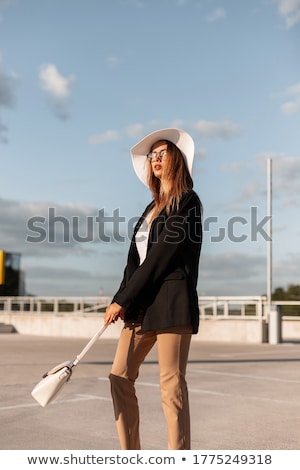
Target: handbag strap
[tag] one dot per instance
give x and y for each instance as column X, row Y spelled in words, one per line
column 89, row 345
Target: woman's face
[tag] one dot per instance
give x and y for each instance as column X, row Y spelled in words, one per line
column 158, row 161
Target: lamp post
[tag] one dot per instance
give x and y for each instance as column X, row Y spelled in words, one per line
column 273, row 315
column 269, row 231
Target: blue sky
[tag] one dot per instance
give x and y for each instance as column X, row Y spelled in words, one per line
column 82, row 81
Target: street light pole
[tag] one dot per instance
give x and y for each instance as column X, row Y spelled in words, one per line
column 269, row 231
column 274, row 316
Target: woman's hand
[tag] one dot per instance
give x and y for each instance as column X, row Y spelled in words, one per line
column 113, row 312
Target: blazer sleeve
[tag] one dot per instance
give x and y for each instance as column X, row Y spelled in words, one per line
column 167, row 241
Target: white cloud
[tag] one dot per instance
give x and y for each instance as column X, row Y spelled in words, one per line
column 105, row 137
column 135, row 130
column 294, row 89
column 216, row 130
column 54, row 83
column 215, row 15
column 292, row 106
column 57, row 87
column 289, row 108
column 212, row 130
column 289, row 11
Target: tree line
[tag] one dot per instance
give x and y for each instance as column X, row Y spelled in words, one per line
column 291, row 293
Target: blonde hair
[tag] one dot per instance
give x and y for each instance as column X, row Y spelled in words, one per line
column 176, row 180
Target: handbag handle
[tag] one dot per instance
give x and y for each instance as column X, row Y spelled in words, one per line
column 89, row 345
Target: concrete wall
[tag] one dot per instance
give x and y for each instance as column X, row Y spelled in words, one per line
column 250, row 330
column 290, row 329
column 66, row 325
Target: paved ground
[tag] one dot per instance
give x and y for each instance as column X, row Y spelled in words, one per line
column 241, row 396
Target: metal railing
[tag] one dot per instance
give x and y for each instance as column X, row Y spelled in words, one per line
column 210, row 306
column 233, row 306
column 55, row 305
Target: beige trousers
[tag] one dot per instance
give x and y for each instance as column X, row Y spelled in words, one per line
column 173, row 348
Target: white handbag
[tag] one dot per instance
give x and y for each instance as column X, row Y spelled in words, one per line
column 48, row 388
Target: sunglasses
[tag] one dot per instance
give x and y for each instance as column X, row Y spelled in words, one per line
column 157, row 155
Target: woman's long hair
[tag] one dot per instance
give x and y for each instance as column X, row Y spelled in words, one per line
column 176, row 180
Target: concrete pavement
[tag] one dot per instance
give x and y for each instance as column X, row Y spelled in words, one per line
column 242, row 396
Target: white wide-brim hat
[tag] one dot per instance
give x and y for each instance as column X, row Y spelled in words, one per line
column 180, row 138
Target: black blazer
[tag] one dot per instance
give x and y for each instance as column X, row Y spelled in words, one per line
column 163, row 288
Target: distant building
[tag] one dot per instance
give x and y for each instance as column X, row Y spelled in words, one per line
column 11, row 276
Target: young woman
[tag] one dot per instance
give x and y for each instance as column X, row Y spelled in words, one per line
column 157, row 298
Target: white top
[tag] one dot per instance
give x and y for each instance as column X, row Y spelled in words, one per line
column 142, row 236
